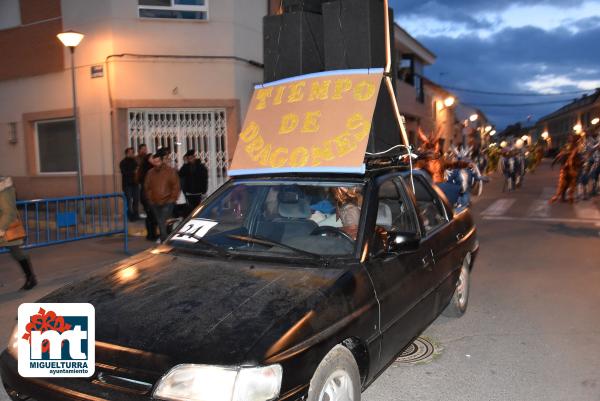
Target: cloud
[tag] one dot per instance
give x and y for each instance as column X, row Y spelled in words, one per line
column 485, row 18
column 418, row 7
column 554, row 84
column 516, row 59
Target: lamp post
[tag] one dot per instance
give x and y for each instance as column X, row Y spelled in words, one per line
column 71, row 40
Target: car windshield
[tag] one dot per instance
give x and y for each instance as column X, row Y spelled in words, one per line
column 311, row 219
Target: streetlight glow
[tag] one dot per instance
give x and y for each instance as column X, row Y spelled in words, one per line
column 577, row 128
column 524, row 138
column 474, row 117
column 488, row 128
column 493, row 132
column 545, row 135
column 503, row 144
column 70, row 39
column 595, row 121
column 449, row 101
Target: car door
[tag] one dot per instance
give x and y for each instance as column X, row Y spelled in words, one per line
column 400, row 280
column 439, row 237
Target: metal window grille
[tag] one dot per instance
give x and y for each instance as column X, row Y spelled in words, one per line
column 204, row 130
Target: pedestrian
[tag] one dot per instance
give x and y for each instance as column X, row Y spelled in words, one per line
column 142, row 152
column 162, row 190
column 12, row 232
column 194, row 179
column 571, row 164
column 131, row 189
column 150, row 221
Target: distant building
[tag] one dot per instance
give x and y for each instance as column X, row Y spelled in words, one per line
column 416, row 104
column 177, row 74
column 562, row 122
column 441, row 115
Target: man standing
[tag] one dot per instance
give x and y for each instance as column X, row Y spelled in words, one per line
column 162, row 190
column 144, row 167
column 131, row 188
column 194, row 179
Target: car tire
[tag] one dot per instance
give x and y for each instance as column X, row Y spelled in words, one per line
column 460, row 299
column 336, row 378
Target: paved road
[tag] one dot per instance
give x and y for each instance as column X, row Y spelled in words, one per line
column 532, row 331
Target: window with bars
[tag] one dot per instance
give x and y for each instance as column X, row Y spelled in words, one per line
column 174, row 9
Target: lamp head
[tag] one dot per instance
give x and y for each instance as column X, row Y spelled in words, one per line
column 70, row 39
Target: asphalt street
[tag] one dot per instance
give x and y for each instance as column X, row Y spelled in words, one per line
column 532, row 329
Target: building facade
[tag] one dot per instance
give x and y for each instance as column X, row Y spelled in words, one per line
column 162, row 72
column 581, row 115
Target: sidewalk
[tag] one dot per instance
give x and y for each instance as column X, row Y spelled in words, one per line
column 55, row 266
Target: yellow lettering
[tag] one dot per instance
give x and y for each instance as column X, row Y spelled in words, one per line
column 311, row 122
column 364, row 91
column 345, row 143
column 251, row 131
column 289, row 123
column 357, row 123
column 262, row 95
column 296, row 92
column 277, row 158
column 320, row 154
column 341, row 86
column 255, row 146
column 319, row 90
column 279, row 95
column 299, row 157
column 263, row 156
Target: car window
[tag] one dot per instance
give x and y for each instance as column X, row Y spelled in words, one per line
column 429, row 206
column 320, row 218
column 393, row 214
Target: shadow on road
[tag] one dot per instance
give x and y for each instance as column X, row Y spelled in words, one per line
column 577, row 232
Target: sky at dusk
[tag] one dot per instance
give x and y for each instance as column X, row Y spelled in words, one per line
column 547, row 47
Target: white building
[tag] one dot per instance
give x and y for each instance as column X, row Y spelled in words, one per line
column 175, row 73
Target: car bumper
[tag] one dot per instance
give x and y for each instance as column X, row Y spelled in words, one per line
column 20, row 388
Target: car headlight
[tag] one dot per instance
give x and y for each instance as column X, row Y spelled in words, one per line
column 213, row 383
column 13, row 343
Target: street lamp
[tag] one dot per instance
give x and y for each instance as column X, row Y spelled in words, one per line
column 449, row 101
column 545, row 135
column 473, row 118
column 488, row 128
column 71, row 40
column 577, row 128
column 595, row 121
column 493, row 132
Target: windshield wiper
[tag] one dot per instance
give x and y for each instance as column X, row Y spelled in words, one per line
column 222, row 252
column 267, row 242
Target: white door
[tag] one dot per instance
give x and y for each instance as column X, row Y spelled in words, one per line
column 204, row 130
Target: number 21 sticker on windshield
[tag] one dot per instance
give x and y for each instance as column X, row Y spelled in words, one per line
column 194, row 230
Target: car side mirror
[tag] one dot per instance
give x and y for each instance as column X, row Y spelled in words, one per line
column 400, row 242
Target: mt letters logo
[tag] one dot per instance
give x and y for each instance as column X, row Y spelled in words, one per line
column 56, row 340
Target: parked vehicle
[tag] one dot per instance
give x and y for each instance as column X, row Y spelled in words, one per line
column 288, row 287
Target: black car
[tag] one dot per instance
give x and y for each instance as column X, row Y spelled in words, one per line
column 291, row 287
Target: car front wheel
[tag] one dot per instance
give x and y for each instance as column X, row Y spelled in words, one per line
column 336, row 378
column 460, row 299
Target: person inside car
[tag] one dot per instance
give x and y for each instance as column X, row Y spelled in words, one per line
column 348, row 202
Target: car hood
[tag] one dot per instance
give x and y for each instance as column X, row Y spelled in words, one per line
column 192, row 309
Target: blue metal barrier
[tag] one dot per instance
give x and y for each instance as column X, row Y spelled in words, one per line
column 59, row 220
